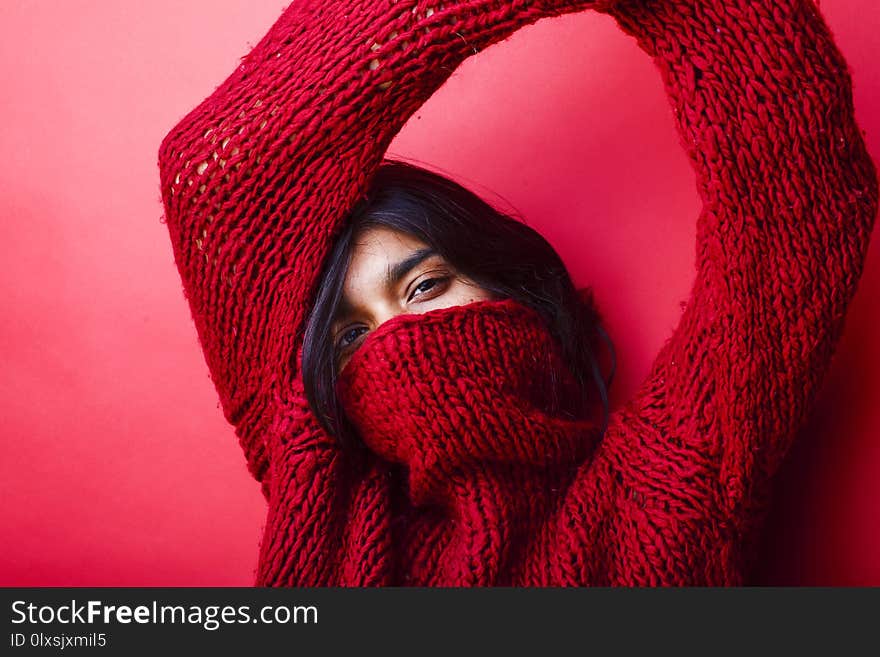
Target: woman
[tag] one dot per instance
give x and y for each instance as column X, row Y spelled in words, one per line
column 471, row 455
column 444, row 247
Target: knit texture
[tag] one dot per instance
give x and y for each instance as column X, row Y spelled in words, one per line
column 471, row 475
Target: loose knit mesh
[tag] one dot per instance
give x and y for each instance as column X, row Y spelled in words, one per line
column 258, row 179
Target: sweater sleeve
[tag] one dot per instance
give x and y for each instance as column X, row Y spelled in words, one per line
column 762, row 100
column 257, row 180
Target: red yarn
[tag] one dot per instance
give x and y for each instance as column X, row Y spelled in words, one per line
column 474, row 474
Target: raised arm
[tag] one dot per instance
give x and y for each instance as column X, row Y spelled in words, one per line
column 762, row 100
column 258, row 178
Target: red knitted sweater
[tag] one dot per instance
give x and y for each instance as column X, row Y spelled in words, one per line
column 472, row 476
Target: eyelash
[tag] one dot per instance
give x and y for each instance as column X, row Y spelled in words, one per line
column 340, row 343
column 437, row 282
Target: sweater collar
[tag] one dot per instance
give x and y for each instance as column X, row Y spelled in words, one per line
column 471, row 393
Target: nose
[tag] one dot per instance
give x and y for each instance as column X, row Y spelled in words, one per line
column 386, row 311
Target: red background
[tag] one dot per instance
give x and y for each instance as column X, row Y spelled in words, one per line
column 118, row 467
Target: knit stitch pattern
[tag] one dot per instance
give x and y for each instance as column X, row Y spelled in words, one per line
column 259, row 178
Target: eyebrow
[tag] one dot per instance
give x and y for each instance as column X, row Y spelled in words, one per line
column 393, row 275
column 398, row 270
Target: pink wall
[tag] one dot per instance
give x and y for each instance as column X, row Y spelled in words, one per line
column 118, row 467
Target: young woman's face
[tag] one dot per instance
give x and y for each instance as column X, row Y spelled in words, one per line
column 393, row 273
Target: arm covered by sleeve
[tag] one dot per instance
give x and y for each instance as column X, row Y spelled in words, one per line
column 257, row 180
column 762, row 100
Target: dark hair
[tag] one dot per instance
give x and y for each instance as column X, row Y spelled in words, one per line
column 493, row 250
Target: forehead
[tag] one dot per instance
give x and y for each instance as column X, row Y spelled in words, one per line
column 383, row 243
column 374, row 250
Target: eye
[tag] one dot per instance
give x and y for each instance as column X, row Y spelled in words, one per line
column 429, row 286
column 349, row 336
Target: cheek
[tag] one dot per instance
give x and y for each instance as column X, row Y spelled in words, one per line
column 461, row 293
